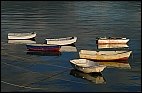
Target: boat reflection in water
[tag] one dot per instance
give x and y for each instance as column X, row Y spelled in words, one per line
column 22, row 41
column 101, row 46
column 120, row 65
column 94, row 77
column 68, row 49
column 44, row 53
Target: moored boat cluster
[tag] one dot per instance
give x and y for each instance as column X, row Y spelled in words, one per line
column 90, row 60
column 114, row 51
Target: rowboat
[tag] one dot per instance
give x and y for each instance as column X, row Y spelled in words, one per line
column 21, row 41
column 68, row 49
column 112, row 40
column 44, row 53
column 43, row 47
column 86, row 66
column 105, row 55
column 62, row 41
column 96, row 78
column 21, row 35
column 115, row 64
column 102, row 46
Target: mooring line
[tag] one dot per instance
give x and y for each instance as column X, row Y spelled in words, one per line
column 20, row 67
column 39, row 73
column 30, row 70
column 51, row 76
column 21, row 86
column 55, row 74
column 42, row 63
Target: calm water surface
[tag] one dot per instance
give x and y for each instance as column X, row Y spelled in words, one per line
column 23, row 71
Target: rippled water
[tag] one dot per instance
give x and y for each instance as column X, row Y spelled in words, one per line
column 23, row 71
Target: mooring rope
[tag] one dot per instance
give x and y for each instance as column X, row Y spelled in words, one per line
column 29, row 59
column 55, row 74
column 51, row 76
column 21, row 86
column 19, row 67
column 32, row 71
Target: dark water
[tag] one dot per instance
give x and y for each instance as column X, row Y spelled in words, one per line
column 22, row 71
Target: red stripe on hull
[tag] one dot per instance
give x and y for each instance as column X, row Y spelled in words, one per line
column 121, row 59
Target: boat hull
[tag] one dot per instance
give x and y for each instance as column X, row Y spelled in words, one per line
column 105, row 55
column 119, row 41
column 112, row 41
column 21, row 36
column 87, row 67
column 62, row 41
column 43, row 48
column 88, row 70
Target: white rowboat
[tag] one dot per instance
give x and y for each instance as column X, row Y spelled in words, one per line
column 105, row 55
column 62, row 41
column 112, row 40
column 86, row 66
column 21, row 36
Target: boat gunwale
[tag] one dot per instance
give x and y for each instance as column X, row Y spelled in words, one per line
column 42, row 45
column 113, row 38
column 21, row 34
column 97, row 53
column 88, row 66
column 61, row 39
